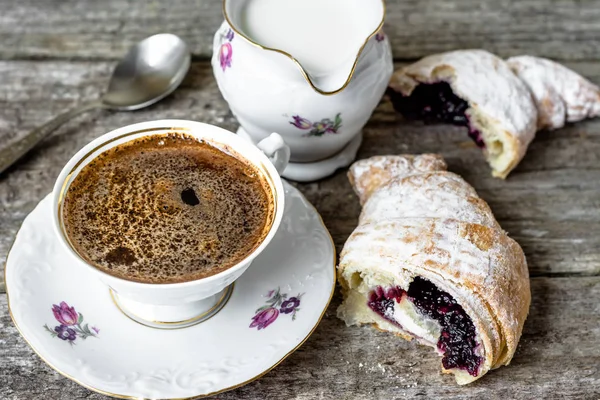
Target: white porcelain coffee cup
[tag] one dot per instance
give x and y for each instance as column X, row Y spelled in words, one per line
column 176, row 305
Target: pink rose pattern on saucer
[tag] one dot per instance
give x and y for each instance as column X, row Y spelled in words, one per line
column 70, row 324
column 380, row 36
column 226, row 51
column 319, row 128
column 277, row 304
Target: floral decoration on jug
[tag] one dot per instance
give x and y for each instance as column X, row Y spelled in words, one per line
column 226, row 50
column 325, row 126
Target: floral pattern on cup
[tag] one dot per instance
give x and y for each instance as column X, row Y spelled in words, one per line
column 226, row 51
column 71, row 325
column 277, row 304
column 319, row 128
column 380, row 36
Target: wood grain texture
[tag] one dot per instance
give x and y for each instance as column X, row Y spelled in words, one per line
column 563, row 29
column 58, row 53
column 550, row 204
column 558, row 358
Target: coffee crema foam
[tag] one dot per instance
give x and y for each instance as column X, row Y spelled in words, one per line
column 167, row 209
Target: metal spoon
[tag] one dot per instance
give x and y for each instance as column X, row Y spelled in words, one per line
column 150, row 71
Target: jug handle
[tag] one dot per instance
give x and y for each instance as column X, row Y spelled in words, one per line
column 276, row 150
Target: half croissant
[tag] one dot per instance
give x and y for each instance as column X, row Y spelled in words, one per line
column 429, row 261
column 475, row 89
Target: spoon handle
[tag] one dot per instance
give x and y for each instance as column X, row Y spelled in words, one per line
column 16, row 150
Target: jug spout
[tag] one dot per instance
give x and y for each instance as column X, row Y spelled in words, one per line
column 333, row 81
column 323, row 38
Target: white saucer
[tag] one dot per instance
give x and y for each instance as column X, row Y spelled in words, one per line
column 114, row 355
column 313, row 171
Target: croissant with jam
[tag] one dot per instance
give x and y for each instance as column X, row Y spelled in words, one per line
column 501, row 103
column 429, row 261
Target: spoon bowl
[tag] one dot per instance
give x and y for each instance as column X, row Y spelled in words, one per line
column 150, row 71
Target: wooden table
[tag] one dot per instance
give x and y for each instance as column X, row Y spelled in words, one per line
column 55, row 54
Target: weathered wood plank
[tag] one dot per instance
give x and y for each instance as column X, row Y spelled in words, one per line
column 550, row 204
column 558, row 357
column 563, row 29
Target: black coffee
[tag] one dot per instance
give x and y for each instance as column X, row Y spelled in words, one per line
column 166, row 209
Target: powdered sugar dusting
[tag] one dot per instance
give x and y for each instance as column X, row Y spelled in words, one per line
column 561, row 95
column 368, row 175
column 438, row 194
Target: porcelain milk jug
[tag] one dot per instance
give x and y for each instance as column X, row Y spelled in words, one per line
column 311, row 70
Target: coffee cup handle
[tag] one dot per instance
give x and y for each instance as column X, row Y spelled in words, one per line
column 278, row 152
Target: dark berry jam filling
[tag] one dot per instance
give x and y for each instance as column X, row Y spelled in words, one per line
column 382, row 301
column 458, row 337
column 435, row 102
